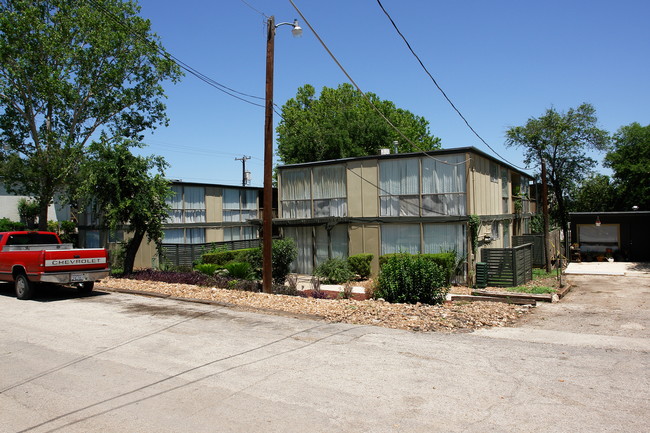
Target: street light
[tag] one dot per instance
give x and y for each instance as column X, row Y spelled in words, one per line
column 267, row 213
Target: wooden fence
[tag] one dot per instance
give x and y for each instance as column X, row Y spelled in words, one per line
column 539, row 256
column 508, row 267
column 187, row 254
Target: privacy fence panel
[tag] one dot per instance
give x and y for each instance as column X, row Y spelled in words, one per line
column 539, row 257
column 508, row 267
column 188, row 254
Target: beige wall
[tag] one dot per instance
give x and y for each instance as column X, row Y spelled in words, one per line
column 364, row 238
column 486, row 195
column 363, row 194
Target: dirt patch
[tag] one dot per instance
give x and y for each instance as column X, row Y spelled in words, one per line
column 449, row 317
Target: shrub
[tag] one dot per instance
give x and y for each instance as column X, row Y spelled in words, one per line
column 207, row 268
column 240, row 270
column 334, row 271
column 220, row 257
column 6, row 225
column 284, row 252
column 360, row 264
column 411, row 278
column 446, row 261
column 195, row 278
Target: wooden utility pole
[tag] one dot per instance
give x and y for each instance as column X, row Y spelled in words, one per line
column 243, row 160
column 267, row 212
column 545, row 215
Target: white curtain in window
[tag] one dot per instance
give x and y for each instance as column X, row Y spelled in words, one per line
column 231, row 198
column 443, row 204
column 444, row 174
column 248, row 215
column 173, row 236
column 330, row 182
column 249, row 232
column 231, row 215
column 322, row 245
column 296, row 209
column 231, row 234
column 397, row 238
column 444, row 237
column 296, row 184
column 195, row 236
column 303, row 238
column 339, row 241
column 336, row 207
column 176, row 200
column 399, row 177
column 194, row 197
column 249, row 199
column 175, row 216
column 401, row 205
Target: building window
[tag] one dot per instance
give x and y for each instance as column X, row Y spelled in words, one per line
column 304, row 263
column 441, row 238
column 505, row 192
column 331, row 243
column 187, row 204
column 239, row 233
column 524, row 193
column 400, row 238
column 184, row 236
column 296, row 193
column 239, row 205
column 443, row 186
column 494, row 172
column 399, row 187
column 495, row 230
column 330, row 194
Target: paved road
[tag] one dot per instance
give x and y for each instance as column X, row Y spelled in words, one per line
column 115, row 362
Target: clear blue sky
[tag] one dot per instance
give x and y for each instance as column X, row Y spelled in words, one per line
column 500, row 62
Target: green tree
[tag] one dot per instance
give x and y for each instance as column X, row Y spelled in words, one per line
column 342, row 123
column 630, row 160
column 126, row 192
column 68, row 70
column 596, row 193
column 562, row 140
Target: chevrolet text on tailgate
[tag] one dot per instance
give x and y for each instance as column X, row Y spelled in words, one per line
column 31, row 258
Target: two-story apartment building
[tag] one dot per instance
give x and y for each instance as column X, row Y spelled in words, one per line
column 417, row 203
column 200, row 214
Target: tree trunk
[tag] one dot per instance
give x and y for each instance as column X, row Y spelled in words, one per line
column 42, row 215
column 132, row 247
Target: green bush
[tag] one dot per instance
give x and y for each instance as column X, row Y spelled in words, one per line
column 207, row 268
column 284, row 252
column 446, row 261
column 6, row 225
column 411, row 278
column 360, row 264
column 334, row 271
column 240, row 270
column 224, row 257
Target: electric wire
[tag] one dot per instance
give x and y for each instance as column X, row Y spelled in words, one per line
column 440, row 88
column 253, row 8
column 213, row 83
column 359, row 88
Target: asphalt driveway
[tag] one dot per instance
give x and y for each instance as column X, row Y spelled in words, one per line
column 117, row 362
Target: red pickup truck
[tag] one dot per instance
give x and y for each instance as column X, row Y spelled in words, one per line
column 30, row 258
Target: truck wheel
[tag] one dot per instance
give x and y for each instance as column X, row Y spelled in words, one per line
column 24, row 289
column 85, row 287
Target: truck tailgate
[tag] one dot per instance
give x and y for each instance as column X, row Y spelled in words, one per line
column 75, row 260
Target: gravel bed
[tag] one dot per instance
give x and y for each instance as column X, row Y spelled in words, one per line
column 449, row 317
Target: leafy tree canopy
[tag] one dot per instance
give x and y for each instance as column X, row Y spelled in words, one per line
column 342, row 123
column 630, row 160
column 562, row 140
column 68, row 70
column 596, row 193
column 125, row 191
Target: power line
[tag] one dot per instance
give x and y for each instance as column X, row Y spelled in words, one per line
column 213, row 83
column 440, row 88
column 253, row 8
